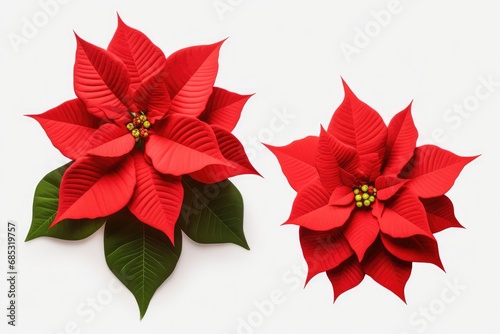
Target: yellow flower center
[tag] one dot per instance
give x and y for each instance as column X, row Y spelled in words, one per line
column 139, row 126
column 364, row 195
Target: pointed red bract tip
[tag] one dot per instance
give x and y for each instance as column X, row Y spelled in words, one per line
column 347, row 89
column 79, row 40
column 268, row 146
column 121, row 23
column 322, row 131
column 218, row 44
column 119, row 18
column 308, row 278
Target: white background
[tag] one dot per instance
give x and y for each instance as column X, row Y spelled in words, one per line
column 290, row 54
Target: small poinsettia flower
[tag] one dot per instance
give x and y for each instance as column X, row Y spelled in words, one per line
column 141, row 121
column 368, row 200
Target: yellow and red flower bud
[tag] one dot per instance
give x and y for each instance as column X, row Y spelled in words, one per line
column 139, row 126
column 364, row 195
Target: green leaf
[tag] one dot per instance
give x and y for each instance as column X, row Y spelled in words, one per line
column 212, row 213
column 140, row 256
column 45, row 205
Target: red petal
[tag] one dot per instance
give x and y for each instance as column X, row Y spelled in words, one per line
column 142, row 58
column 234, row 153
column 333, row 160
column 356, row 124
column 433, row 170
column 111, row 140
column 324, row 218
column 369, row 166
column 346, row 276
column 401, row 141
column 311, row 210
column 387, row 270
column 157, row 198
column 405, row 217
column 190, row 75
column 100, row 78
column 95, row 187
column 69, row 127
column 224, row 108
column 309, row 198
column 119, row 114
column 342, row 195
column 378, row 209
column 387, row 186
column 440, row 213
column 418, row 248
column 182, row 145
column 298, row 161
column 323, row 250
column 361, row 231
column 152, row 97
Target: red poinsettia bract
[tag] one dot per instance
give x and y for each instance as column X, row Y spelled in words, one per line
column 368, row 200
column 140, row 121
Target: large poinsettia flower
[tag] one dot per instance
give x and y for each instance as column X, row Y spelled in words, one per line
column 141, row 121
column 368, row 200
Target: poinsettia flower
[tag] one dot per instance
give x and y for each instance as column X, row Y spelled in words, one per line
column 368, row 200
column 141, row 121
